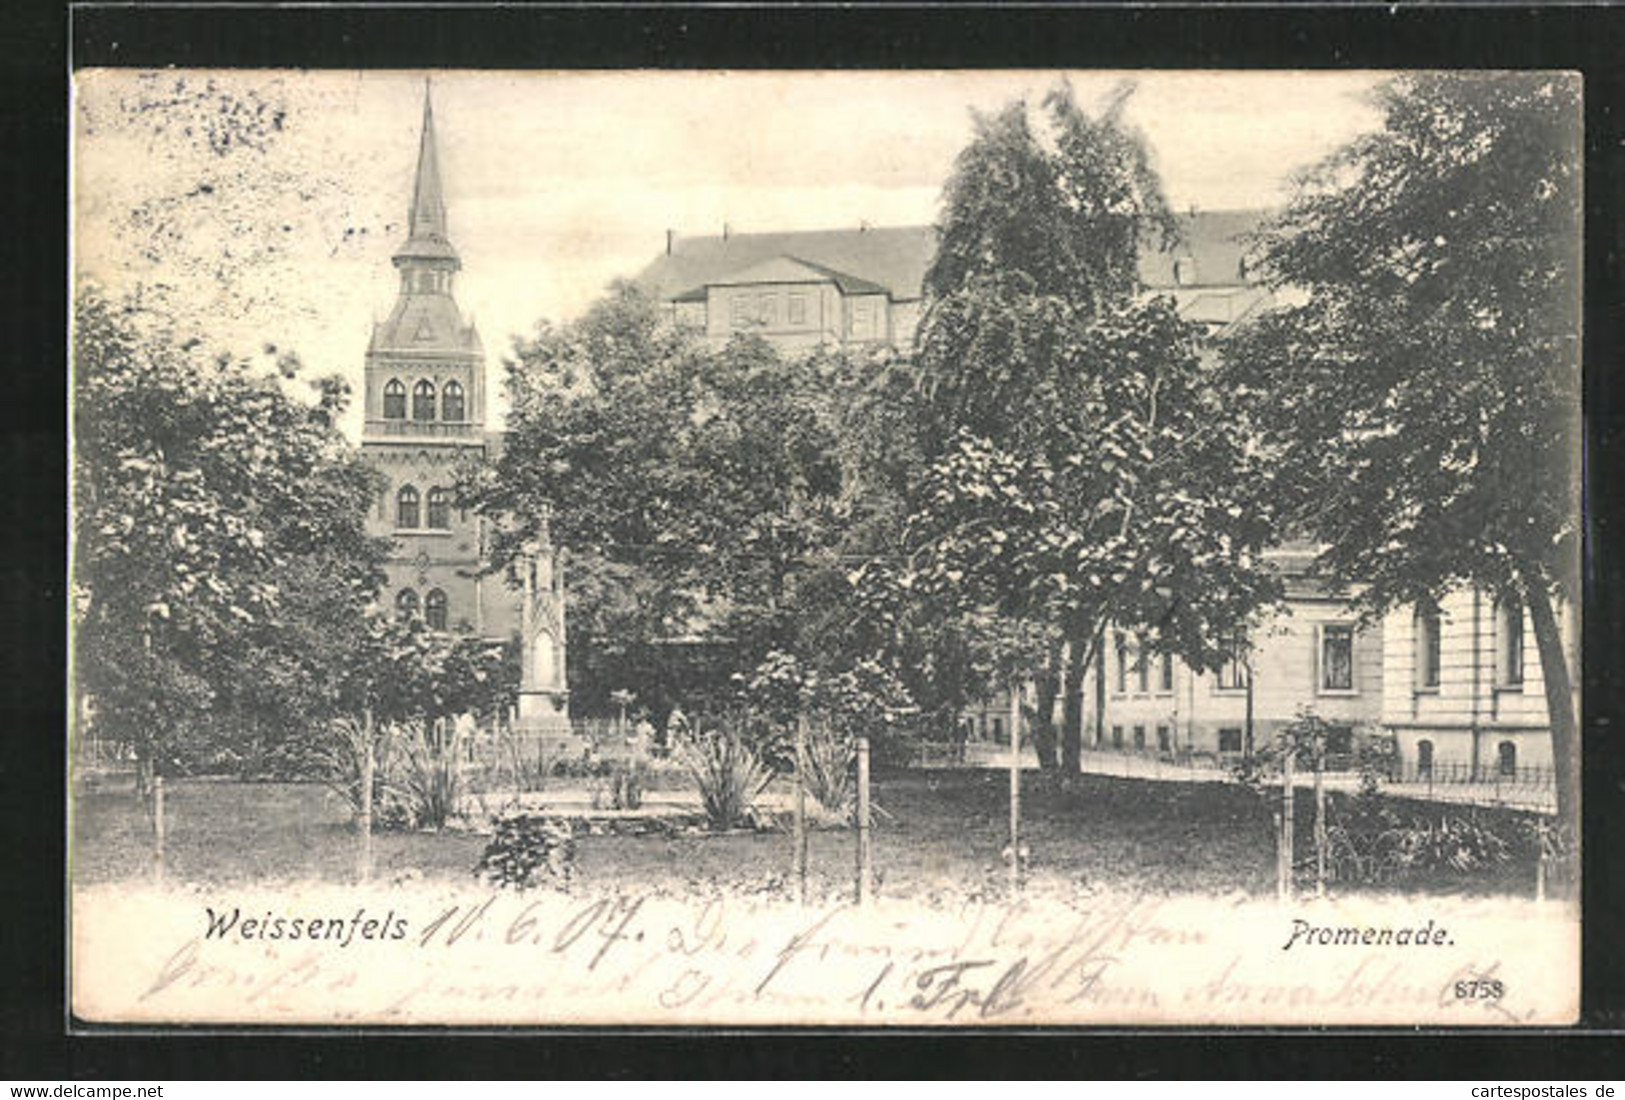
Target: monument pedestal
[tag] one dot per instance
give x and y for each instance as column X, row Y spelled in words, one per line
column 542, row 722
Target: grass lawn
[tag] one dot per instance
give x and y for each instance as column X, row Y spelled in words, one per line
column 939, row 830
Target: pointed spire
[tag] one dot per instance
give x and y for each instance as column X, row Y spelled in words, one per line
column 428, row 205
column 427, row 237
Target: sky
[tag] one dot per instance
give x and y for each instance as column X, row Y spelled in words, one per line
column 558, row 182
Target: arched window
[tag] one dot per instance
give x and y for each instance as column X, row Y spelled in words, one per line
column 434, row 609
column 451, row 401
column 394, row 400
column 439, row 509
column 423, row 400
column 406, row 507
column 1507, row 758
column 406, row 604
column 1424, row 757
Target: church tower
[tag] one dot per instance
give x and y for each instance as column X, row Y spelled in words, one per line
column 424, row 417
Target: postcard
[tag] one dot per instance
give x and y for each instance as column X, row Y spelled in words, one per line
column 864, row 548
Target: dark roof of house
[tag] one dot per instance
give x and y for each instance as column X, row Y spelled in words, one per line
column 895, row 258
column 1215, row 241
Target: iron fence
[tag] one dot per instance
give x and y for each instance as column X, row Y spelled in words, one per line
column 1445, row 781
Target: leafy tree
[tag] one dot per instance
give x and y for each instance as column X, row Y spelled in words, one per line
column 1421, row 398
column 1083, row 468
column 409, row 672
column 218, row 528
column 689, row 487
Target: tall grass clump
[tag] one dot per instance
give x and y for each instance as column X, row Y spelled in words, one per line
column 339, row 757
column 727, row 773
column 829, row 769
column 430, row 775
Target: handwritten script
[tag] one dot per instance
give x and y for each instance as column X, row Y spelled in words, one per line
column 453, row 956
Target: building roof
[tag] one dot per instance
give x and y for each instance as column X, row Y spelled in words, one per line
column 784, row 269
column 427, row 237
column 424, row 324
column 895, row 258
column 1214, row 243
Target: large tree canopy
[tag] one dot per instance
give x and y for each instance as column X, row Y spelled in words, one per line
column 1083, row 468
column 1420, row 400
column 694, row 491
column 217, row 522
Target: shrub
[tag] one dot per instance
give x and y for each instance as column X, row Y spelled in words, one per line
column 864, row 697
column 622, row 788
column 525, row 846
column 1461, row 844
column 1377, row 760
column 586, row 766
column 727, row 773
column 1370, row 843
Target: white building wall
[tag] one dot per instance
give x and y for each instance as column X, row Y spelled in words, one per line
column 1473, row 710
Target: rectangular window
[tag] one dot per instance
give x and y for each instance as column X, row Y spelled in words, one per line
column 1340, row 743
column 1164, row 740
column 1122, row 664
column 1142, row 668
column 739, row 306
column 767, row 309
column 1233, row 669
column 1427, row 647
column 1336, row 657
column 1165, row 676
column 863, row 319
column 798, row 309
column 1139, row 737
column 998, row 729
column 1117, row 737
column 1230, row 740
column 1509, row 636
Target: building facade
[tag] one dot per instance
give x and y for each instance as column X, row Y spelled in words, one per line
column 864, row 288
column 1464, row 689
column 1313, row 656
column 425, row 404
column 1454, row 685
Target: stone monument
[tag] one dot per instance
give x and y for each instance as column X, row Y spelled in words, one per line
column 544, row 694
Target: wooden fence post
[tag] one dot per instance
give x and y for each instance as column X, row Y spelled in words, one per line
column 866, row 884
column 1320, row 823
column 1015, row 789
column 800, row 818
column 1288, row 814
column 157, row 825
column 364, row 823
column 1280, row 875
